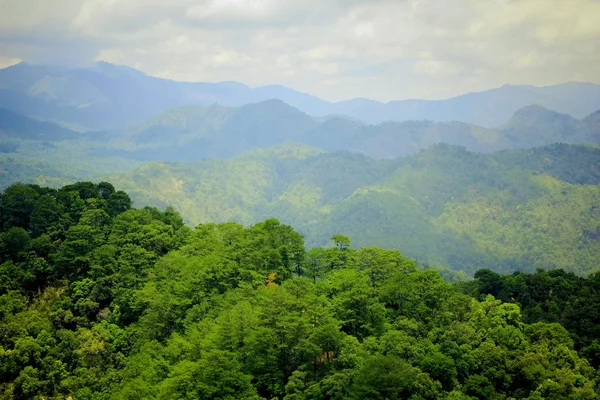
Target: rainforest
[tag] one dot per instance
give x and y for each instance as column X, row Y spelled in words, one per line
column 100, row 300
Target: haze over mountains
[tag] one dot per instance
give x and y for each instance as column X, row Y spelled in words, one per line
column 197, row 132
column 193, row 133
column 324, row 167
column 106, row 96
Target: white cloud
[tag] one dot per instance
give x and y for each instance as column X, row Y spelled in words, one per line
column 7, row 62
column 337, row 49
column 325, row 52
column 436, row 68
column 529, row 60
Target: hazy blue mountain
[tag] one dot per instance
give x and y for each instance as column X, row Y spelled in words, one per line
column 18, row 126
column 191, row 133
column 592, row 122
column 106, row 96
column 15, row 126
column 488, row 108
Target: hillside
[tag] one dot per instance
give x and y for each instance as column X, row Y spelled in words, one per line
column 493, row 107
column 194, row 133
column 510, row 210
column 106, row 96
column 100, row 300
column 55, row 163
column 46, row 153
column 18, row 126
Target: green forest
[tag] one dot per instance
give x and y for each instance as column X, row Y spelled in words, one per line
column 517, row 209
column 506, row 211
column 100, row 300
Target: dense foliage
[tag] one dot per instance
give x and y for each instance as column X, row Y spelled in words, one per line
column 102, row 301
column 55, row 163
column 550, row 296
column 507, row 211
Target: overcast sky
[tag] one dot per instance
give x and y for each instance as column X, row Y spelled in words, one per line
column 335, row 49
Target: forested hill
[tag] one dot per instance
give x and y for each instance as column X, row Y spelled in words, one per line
column 195, row 133
column 102, row 301
column 507, row 211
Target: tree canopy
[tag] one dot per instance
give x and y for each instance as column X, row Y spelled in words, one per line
column 100, row 300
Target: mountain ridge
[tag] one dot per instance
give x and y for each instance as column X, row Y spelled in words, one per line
column 196, row 132
column 108, row 96
column 508, row 210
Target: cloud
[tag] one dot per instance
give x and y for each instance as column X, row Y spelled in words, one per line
column 7, row 62
column 338, row 49
column 529, row 60
column 437, row 68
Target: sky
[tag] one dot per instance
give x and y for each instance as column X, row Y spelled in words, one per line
column 334, row 49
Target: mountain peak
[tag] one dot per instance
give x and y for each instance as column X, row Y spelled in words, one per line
column 535, row 116
column 21, row 64
column 533, row 111
column 595, row 114
column 233, row 85
column 593, row 118
column 274, row 103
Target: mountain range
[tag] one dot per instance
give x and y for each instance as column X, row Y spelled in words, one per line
column 514, row 209
column 192, row 133
column 107, row 96
column 508, row 210
column 519, row 195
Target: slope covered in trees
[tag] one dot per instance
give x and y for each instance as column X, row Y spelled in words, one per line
column 549, row 296
column 510, row 210
column 17, row 126
column 103, row 301
column 195, row 133
column 45, row 153
column 55, row 162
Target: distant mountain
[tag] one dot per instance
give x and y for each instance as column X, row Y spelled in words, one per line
column 592, row 122
column 535, row 126
column 489, row 108
column 192, row 133
column 106, row 96
column 18, row 126
column 509, row 210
